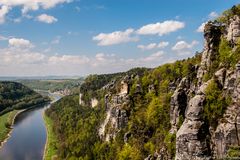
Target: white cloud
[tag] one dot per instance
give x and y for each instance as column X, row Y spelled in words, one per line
column 153, row 45
column 183, row 48
column 46, row 18
column 161, row 29
column 28, row 5
column 68, row 59
column 163, row 44
column 17, row 61
column 182, row 45
column 201, row 27
column 155, row 56
column 147, row 47
column 16, row 56
column 19, row 43
column 3, row 12
column 213, row 15
column 106, row 39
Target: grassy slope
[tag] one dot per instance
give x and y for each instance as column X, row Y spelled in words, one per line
column 50, row 148
column 6, row 118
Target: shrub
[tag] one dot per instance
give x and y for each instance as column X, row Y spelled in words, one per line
column 215, row 105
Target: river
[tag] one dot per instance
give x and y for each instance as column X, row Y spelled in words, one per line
column 28, row 137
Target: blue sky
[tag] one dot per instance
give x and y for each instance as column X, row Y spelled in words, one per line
column 80, row 37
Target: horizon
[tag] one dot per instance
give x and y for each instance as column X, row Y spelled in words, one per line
column 38, row 39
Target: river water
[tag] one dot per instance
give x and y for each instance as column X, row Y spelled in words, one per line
column 28, row 137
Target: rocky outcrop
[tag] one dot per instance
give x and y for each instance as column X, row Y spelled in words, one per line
column 80, row 99
column 192, row 141
column 94, row 102
column 178, row 104
column 212, row 35
column 228, row 132
column 233, row 30
column 195, row 139
column 116, row 105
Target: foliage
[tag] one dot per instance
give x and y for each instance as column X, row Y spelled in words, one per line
column 170, row 141
column 75, row 126
column 17, row 96
column 234, row 152
column 215, row 105
column 226, row 15
column 129, row 153
column 54, row 85
column 180, row 121
column 52, row 142
column 227, row 57
column 5, row 123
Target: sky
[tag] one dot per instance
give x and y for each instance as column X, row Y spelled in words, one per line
column 81, row 37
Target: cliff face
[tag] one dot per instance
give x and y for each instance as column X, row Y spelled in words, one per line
column 196, row 139
column 117, row 117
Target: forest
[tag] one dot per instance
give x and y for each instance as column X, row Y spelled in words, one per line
column 15, row 96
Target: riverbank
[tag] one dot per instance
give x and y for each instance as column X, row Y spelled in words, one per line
column 50, row 150
column 6, row 123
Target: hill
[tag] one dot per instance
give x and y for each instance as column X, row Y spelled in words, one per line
column 15, row 96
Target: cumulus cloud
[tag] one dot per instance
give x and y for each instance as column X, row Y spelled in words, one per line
column 153, row 45
column 213, row 15
column 131, row 35
column 106, row 39
column 68, row 59
column 147, row 47
column 181, row 45
column 161, row 28
column 155, row 56
column 46, row 18
column 19, row 43
column 28, row 5
column 17, row 61
column 183, row 48
column 3, row 12
column 163, row 44
column 16, row 56
column 201, row 27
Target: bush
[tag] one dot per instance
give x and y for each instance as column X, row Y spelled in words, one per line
column 234, row 152
column 129, row 153
column 215, row 105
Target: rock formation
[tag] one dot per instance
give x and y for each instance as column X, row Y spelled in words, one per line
column 117, row 117
column 233, row 32
column 196, row 140
column 212, row 35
